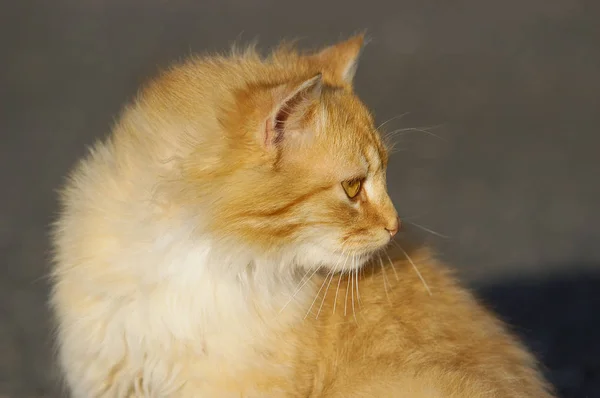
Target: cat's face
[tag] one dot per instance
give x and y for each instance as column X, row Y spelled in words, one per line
column 305, row 169
column 341, row 213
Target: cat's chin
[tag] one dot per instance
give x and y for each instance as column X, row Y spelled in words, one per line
column 348, row 262
column 336, row 261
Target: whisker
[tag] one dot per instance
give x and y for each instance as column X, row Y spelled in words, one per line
column 300, row 288
column 337, row 291
column 330, row 277
column 392, row 119
column 384, row 279
column 393, row 266
column 431, row 231
column 413, row 217
column 339, row 280
column 324, row 295
column 426, row 128
column 421, row 130
column 353, row 310
column 357, row 291
column 392, row 150
column 303, row 279
column 414, row 267
column 390, row 142
column 346, row 300
column 317, row 295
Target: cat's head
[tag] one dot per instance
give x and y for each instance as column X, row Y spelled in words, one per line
column 303, row 168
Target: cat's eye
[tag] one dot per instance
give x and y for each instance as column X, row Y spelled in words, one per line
column 352, row 187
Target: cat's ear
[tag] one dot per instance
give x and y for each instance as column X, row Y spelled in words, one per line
column 290, row 113
column 339, row 61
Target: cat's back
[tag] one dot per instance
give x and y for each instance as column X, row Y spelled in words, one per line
column 405, row 326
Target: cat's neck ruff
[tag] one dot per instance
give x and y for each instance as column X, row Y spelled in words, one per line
column 217, row 290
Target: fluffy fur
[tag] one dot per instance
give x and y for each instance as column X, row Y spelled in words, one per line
column 207, row 249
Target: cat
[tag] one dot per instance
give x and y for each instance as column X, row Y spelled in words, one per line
column 226, row 240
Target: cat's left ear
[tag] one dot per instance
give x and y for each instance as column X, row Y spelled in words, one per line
column 290, row 116
column 339, row 61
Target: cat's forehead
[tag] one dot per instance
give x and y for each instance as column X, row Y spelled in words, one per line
column 349, row 131
column 345, row 109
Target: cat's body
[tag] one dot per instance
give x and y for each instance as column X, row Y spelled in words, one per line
column 200, row 248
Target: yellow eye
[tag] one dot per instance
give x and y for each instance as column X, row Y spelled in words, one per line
column 352, row 187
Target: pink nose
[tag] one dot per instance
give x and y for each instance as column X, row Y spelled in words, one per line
column 393, row 229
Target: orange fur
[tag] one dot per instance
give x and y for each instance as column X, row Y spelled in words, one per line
column 207, row 248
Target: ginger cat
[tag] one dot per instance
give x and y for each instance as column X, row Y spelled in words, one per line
column 226, row 240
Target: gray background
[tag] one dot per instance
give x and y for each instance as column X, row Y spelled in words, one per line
column 511, row 178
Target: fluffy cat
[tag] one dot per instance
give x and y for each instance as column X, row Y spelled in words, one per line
column 225, row 241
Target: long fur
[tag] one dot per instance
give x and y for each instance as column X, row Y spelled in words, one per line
column 207, row 248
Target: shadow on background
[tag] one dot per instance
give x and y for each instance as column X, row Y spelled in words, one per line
column 559, row 319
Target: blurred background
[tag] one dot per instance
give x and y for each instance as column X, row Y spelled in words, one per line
column 495, row 104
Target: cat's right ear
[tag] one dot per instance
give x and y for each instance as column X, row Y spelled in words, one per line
column 339, row 61
column 289, row 117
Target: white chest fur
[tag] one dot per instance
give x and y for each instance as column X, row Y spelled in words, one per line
column 181, row 317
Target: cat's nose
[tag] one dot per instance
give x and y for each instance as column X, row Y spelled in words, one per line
column 393, row 227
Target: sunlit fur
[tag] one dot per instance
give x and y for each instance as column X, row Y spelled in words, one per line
column 207, row 248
